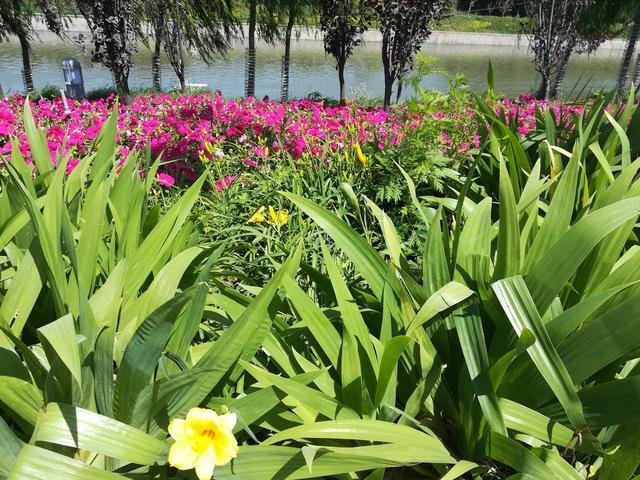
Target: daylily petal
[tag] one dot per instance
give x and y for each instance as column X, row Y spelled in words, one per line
column 182, row 455
column 204, row 467
column 177, row 429
column 226, row 448
column 272, row 214
column 199, row 419
column 227, row 421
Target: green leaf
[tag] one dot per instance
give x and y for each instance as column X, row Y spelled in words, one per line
column 287, row 463
column 91, row 225
column 36, row 463
column 79, row 428
column 307, row 397
column 240, row 341
column 22, row 400
column 10, row 446
column 103, row 371
column 606, row 404
column 142, row 353
column 558, row 218
column 153, row 249
column 21, row 296
column 560, row 468
column 350, row 313
column 530, row 422
column 37, row 143
column 625, row 460
column 612, row 334
column 459, row 469
column 510, row 452
column 312, row 317
column 551, row 272
column 473, row 261
column 391, row 353
column 508, row 253
column 369, row 431
column 106, row 146
column 368, row 262
column 513, row 295
column 446, row 298
column 474, row 349
column 60, row 337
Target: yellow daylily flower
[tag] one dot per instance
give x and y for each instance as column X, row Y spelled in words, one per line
column 362, row 160
column 278, row 218
column 258, row 216
column 204, row 440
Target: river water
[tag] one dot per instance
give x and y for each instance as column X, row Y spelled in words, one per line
column 313, row 71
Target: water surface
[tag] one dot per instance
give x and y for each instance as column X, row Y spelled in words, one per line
column 313, row 71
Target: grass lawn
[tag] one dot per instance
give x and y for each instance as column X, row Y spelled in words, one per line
column 461, row 22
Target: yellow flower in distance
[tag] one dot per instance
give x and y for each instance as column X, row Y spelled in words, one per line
column 204, row 440
column 258, row 216
column 362, row 160
column 278, row 218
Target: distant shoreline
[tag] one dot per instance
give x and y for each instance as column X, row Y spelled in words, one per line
column 78, row 25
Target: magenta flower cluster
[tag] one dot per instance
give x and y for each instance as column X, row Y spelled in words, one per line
column 523, row 111
column 192, row 127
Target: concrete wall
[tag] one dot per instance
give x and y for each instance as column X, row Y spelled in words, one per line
column 79, row 26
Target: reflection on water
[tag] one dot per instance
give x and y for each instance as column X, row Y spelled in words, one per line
column 312, row 70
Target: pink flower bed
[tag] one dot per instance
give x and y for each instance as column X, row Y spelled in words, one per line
column 523, row 110
column 202, row 126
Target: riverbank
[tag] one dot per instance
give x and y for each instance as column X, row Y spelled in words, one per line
column 77, row 28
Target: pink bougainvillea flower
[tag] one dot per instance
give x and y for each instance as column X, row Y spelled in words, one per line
column 224, row 183
column 165, row 180
column 250, row 163
column 262, row 151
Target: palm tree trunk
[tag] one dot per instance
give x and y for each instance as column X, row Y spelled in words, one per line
column 26, row 64
column 388, row 76
column 556, row 84
column 636, row 72
column 156, row 66
column 343, row 95
column 399, row 91
column 177, row 15
column 627, row 57
column 287, row 53
column 251, row 54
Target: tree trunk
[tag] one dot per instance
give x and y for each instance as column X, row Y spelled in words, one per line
column 399, row 92
column 544, row 88
column 26, row 64
column 156, row 66
column 287, row 53
column 388, row 76
column 343, row 95
column 177, row 15
column 251, row 56
column 636, row 73
column 556, row 85
column 388, row 91
column 627, row 57
column 122, row 85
